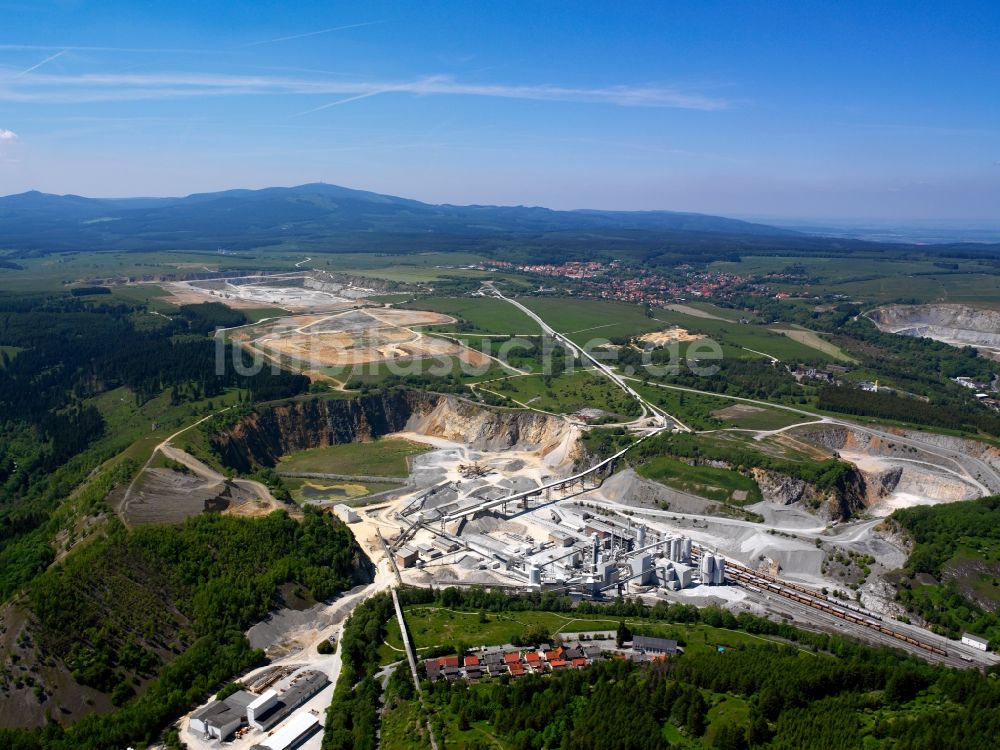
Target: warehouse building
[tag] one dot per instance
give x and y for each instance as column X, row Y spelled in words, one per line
column 219, row 719
column 300, row 728
column 272, row 708
column 657, row 646
column 975, row 641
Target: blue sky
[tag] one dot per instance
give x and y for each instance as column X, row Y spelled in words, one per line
column 794, row 110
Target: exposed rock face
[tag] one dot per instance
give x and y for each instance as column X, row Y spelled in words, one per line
column 833, row 504
column 264, row 436
column 897, row 472
column 487, row 429
column 778, row 488
column 958, row 325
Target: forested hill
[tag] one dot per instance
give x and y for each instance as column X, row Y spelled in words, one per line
column 159, row 611
column 951, row 578
column 35, row 220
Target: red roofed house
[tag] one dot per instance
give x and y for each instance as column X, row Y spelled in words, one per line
column 579, row 662
column 472, row 661
column 516, row 668
column 512, row 657
column 557, row 663
column 448, row 661
column 532, row 657
column 556, row 653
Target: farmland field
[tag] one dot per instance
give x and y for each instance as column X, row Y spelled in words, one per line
column 566, row 393
column 583, row 319
column 485, row 314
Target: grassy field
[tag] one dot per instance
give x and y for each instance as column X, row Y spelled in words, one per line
column 721, row 485
column 878, row 279
column 486, row 315
column 585, row 319
column 566, row 393
column 813, row 340
column 55, row 272
column 431, row 627
column 701, row 412
column 385, row 457
column 754, row 337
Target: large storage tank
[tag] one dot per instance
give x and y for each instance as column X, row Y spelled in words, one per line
column 675, row 549
column 535, row 575
column 685, row 550
column 719, row 574
column 707, row 568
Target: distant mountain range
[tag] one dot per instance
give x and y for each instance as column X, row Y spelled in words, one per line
column 240, row 219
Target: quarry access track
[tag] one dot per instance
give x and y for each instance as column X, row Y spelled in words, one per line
column 974, row 470
column 664, row 420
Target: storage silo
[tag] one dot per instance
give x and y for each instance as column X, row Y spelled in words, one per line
column 597, row 547
column 640, row 539
column 719, row 574
column 685, row 550
column 675, row 549
column 707, row 568
column 535, row 575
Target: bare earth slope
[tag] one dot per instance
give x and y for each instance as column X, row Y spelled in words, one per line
column 958, row 325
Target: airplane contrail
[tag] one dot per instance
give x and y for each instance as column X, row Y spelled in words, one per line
column 308, row 33
column 341, row 101
column 36, row 66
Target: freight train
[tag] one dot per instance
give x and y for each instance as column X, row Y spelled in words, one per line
column 764, row 583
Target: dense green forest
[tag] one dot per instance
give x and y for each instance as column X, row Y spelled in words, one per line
column 950, row 415
column 788, row 699
column 72, row 350
column 352, row 718
column 792, row 695
column 952, row 577
column 171, row 603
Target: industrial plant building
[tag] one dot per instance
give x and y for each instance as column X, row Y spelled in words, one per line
column 219, row 719
column 975, row 641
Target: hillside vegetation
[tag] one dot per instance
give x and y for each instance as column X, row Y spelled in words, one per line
column 119, row 609
column 952, row 577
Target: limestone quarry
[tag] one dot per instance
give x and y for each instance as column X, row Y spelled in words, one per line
column 958, row 325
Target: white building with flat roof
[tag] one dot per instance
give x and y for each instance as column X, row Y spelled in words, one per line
column 296, row 730
column 345, row 513
column 975, row 641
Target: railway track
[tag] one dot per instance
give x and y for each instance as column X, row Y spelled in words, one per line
column 768, row 584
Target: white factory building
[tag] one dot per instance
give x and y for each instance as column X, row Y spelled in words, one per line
column 975, row 641
column 346, row 513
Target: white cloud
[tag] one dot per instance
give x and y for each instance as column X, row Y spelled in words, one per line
column 7, row 135
column 36, row 87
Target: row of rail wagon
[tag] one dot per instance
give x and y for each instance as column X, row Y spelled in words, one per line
column 762, row 582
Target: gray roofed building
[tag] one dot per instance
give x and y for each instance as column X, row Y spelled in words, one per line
column 219, row 719
column 647, row 645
